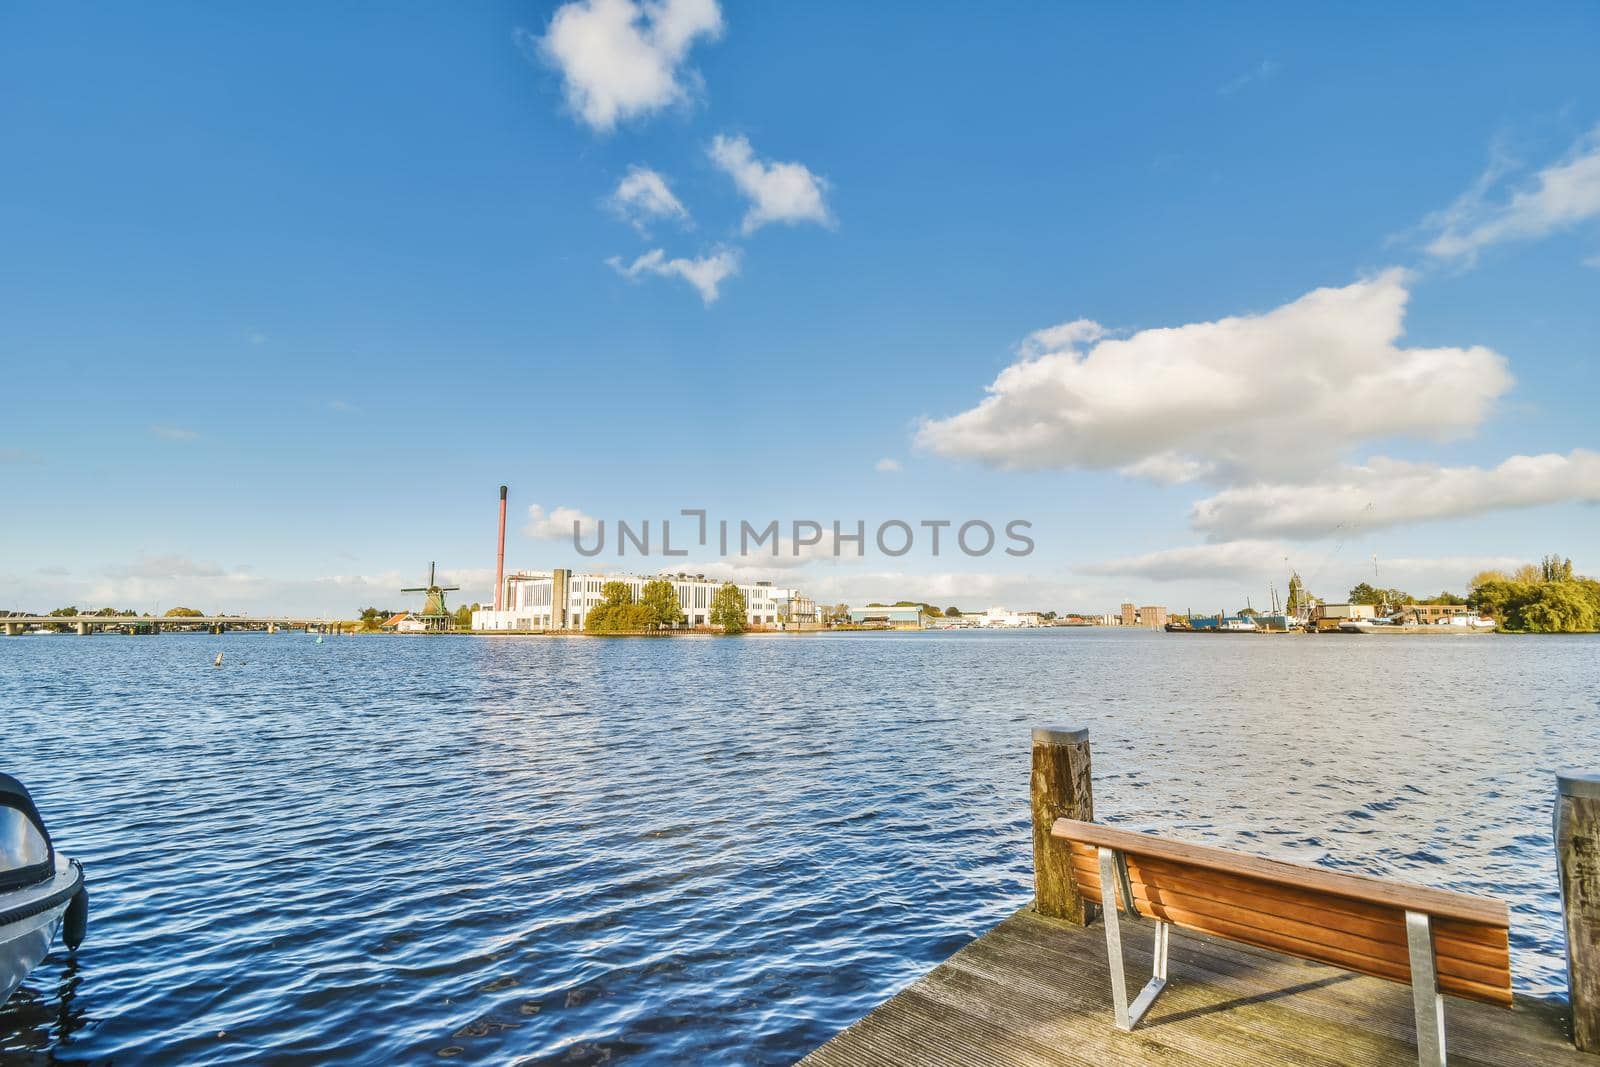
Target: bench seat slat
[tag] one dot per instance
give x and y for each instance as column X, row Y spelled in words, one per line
column 1458, row 977
column 1348, row 921
column 1435, row 902
column 1205, row 891
column 1488, row 935
column 1385, row 940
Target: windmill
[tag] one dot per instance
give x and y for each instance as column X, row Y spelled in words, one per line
column 434, row 615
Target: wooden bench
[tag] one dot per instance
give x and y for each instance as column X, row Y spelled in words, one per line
column 1437, row 941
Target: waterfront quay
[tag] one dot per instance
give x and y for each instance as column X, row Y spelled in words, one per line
column 1252, row 961
column 1034, row 991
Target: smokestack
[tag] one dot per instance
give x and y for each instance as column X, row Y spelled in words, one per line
column 500, row 555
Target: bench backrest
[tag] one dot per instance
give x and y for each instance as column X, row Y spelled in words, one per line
column 1345, row 920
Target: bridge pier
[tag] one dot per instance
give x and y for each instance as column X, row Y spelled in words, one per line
column 83, row 629
column 272, row 627
column 11, row 629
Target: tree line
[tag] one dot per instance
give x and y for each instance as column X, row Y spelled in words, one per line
column 1542, row 597
column 657, row 608
column 1538, row 598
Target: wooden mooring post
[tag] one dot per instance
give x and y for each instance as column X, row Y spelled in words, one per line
column 1061, row 788
column 1577, row 833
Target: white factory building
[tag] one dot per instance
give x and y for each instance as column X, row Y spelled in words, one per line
column 561, row 599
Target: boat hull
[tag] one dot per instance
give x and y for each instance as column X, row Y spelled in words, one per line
column 1411, row 629
column 29, row 920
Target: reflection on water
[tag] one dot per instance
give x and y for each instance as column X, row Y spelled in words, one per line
column 709, row 850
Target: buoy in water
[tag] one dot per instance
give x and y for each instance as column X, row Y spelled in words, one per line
column 76, row 922
column 218, row 661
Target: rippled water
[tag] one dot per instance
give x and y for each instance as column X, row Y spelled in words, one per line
column 489, row 850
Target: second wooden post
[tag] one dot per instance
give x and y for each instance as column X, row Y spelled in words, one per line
column 1061, row 788
column 1577, row 833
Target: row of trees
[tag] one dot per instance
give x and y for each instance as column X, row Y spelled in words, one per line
column 103, row 613
column 657, row 608
column 374, row 618
column 1543, row 597
column 1395, row 598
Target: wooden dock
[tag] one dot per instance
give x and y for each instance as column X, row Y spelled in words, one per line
column 1035, row 991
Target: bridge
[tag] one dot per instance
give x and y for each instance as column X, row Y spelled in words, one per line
column 14, row 625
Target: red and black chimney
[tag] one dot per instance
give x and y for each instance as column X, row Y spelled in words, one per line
column 500, row 555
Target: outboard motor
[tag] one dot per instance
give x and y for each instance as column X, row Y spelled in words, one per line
column 40, row 890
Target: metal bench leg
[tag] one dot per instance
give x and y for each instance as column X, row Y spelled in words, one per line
column 1112, row 874
column 1425, row 998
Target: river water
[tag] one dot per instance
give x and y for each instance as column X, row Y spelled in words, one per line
column 390, row 849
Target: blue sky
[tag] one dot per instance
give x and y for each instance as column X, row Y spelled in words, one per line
column 290, row 290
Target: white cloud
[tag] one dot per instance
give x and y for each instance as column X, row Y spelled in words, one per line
column 1261, row 72
column 152, row 584
column 169, row 567
column 1248, row 567
column 620, row 59
column 887, row 465
column 1559, row 196
column 705, row 273
column 1289, row 390
column 17, row 455
column 778, row 192
column 1387, row 492
column 1423, row 575
column 1058, row 338
column 1168, row 468
column 971, row 590
column 557, row 525
column 643, row 197
column 174, row 433
column 1231, row 559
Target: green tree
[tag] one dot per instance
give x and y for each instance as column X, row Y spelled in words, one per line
column 1367, row 594
column 1555, row 569
column 1446, row 597
column 1483, row 578
column 1538, row 598
column 953, row 613
column 1298, row 600
column 64, row 613
column 660, row 602
column 1559, row 606
column 374, row 618
column 184, row 613
column 729, row 610
column 610, row 615
column 463, row 618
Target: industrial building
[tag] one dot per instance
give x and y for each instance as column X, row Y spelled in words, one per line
column 890, row 616
column 1150, row 616
column 560, row 600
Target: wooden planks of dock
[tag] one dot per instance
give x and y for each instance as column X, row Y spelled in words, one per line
column 1035, row 991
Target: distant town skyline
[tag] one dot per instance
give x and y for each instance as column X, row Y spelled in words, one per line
column 293, row 290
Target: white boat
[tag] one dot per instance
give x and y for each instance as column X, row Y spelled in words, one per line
column 41, row 891
column 1401, row 624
